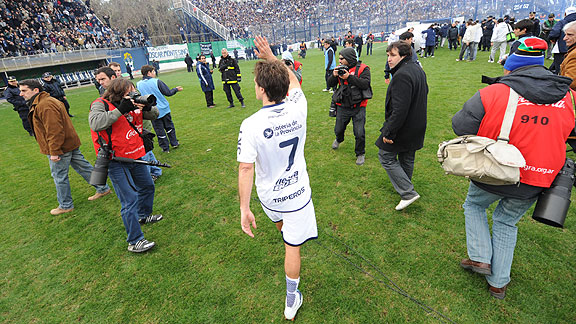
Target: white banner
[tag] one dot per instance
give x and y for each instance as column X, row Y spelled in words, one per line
column 167, row 52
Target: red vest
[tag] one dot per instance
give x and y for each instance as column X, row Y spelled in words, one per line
column 297, row 65
column 352, row 71
column 539, row 131
column 125, row 140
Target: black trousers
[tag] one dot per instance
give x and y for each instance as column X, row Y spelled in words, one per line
column 23, row 113
column 358, row 117
column 326, row 76
column 190, row 68
column 453, row 44
column 209, row 98
column 228, row 92
column 164, row 128
column 66, row 104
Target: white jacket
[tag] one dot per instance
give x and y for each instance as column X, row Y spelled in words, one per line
column 469, row 34
column 500, row 32
column 477, row 33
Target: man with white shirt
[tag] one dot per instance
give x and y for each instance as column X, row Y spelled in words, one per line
column 271, row 141
column 498, row 40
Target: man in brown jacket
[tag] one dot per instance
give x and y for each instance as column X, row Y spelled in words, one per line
column 57, row 139
column 568, row 66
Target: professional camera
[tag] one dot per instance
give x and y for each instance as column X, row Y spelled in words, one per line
column 100, row 172
column 553, row 203
column 147, row 100
column 342, row 69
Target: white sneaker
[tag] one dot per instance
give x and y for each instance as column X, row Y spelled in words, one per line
column 335, row 145
column 331, row 91
column 325, row 90
column 290, row 312
column 405, row 203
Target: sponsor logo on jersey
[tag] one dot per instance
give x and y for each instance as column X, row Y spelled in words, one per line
column 285, row 182
column 268, row 132
column 290, row 196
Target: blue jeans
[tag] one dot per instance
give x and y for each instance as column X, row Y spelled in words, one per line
column 154, row 170
column 59, row 171
column 135, row 190
column 498, row 250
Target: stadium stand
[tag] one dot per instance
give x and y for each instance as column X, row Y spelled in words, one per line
column 41, row 27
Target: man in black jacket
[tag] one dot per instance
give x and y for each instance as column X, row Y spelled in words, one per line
column 453, row 37
column 403, row 131
column 54, row 88
column 12, row 94
column 189, row 62
column 359, row 41
column 231, row 76
column 352, row 77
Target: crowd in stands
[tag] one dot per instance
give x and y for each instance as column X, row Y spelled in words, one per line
column 50, row 26
column 242, row 16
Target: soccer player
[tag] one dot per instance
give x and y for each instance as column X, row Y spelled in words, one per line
column 272, row 142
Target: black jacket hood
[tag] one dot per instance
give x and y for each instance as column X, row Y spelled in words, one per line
column 535, row 83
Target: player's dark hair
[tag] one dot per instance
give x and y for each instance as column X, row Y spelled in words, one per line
column 403, row 48
column 274, row 78
column 117, row 89
column 525, row 24
column 145, row 69
column 406, row 35
column 32, row 84
column 106, row 70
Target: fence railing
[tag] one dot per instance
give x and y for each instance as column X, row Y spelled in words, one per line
column 50, row 59
column 204, row 18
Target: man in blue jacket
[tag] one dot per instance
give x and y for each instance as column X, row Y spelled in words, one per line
column 54, row 87
column 430, row 41
column 557, row 36
column 12, row 94
column 163, row 125
column 205, row 75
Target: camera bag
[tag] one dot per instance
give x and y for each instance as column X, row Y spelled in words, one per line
column 146, row 135
column 483, row 159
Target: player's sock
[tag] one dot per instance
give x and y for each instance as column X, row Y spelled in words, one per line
column 291, row 287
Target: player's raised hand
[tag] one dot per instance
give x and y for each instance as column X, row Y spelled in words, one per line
column 246, row 219
column 264, row 51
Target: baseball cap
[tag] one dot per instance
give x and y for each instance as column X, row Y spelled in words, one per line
column 530, row 52
column 287, row 56
column 551, row 15
column 12, row 78
column 570, row 10
column 46, row 74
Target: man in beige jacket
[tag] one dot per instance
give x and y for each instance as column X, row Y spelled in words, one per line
column 58, row 140
column 568, row 66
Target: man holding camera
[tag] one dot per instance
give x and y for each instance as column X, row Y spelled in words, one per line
column 163, row 125
column 353, row 80
column 58, row 140
column 543, row 121
column 116, row 121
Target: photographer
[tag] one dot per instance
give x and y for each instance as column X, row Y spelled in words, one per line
column 352, row 77
column 543, row 121
column 112, row 119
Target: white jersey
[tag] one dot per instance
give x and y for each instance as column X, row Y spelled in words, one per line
column 274, row 139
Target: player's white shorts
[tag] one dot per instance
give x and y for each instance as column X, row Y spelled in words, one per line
column 298, row 226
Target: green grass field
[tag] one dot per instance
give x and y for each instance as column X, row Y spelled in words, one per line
column 75, row 267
